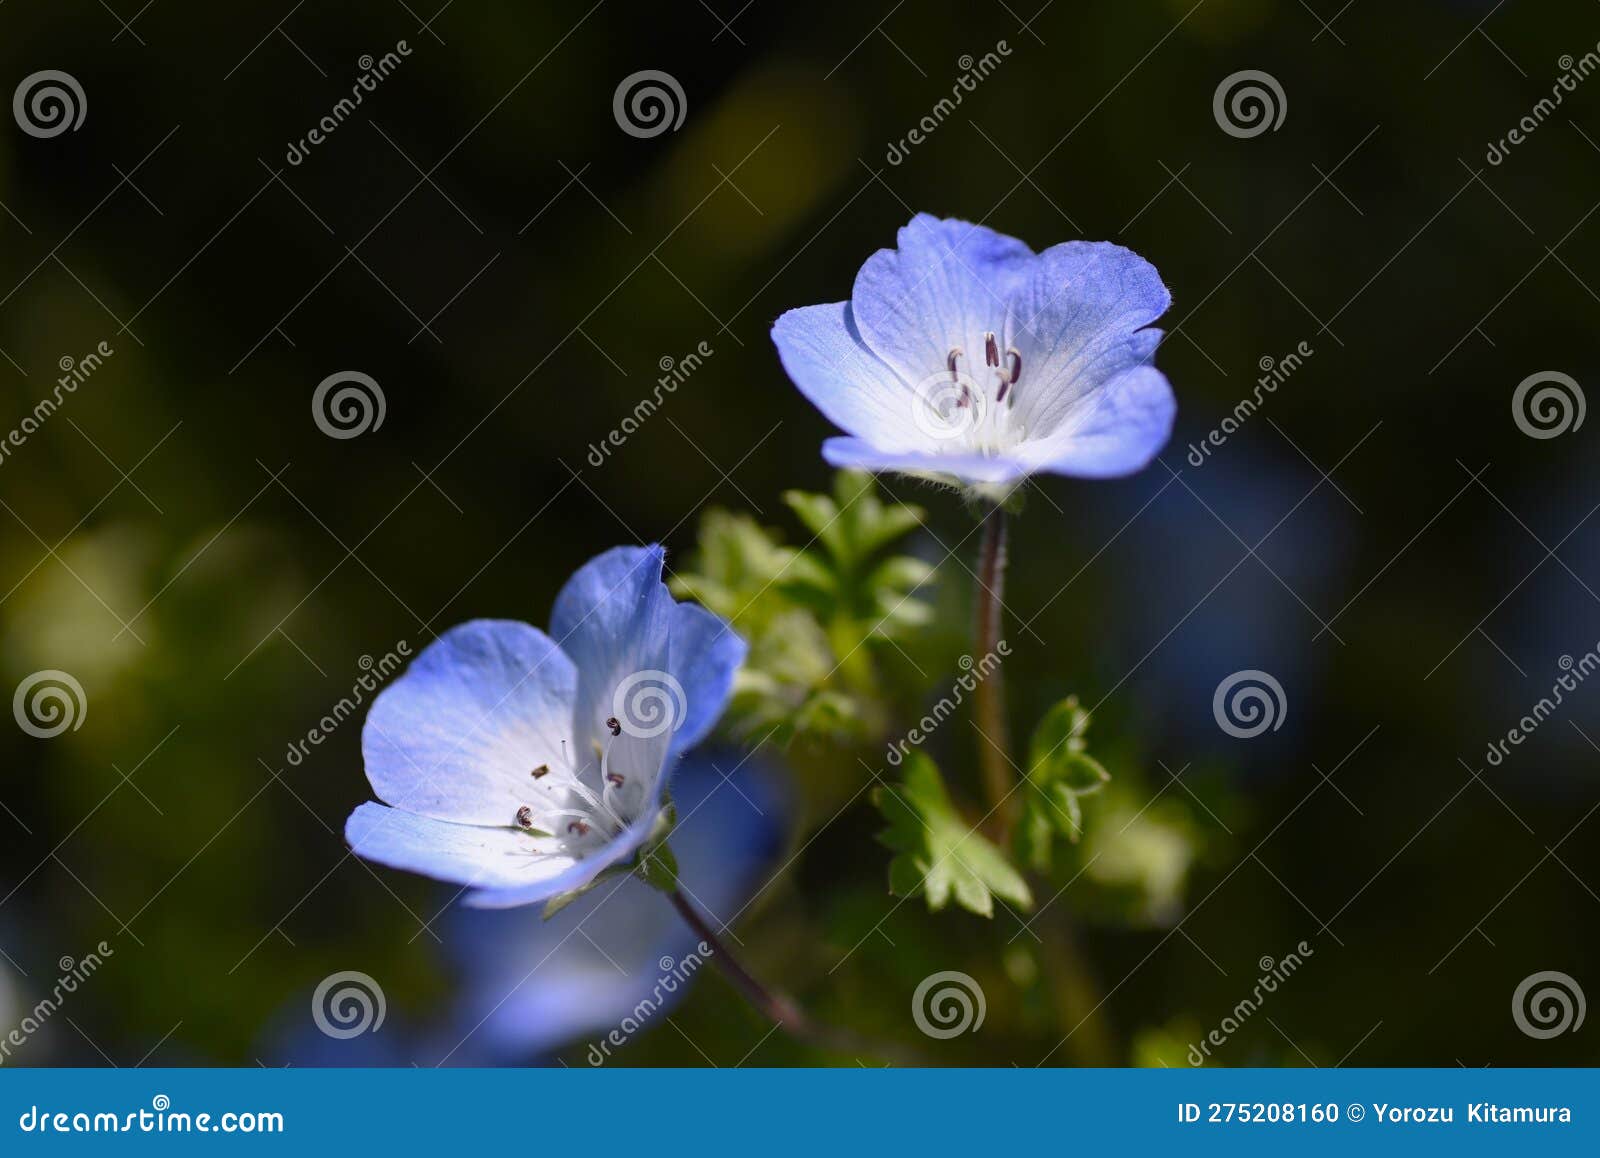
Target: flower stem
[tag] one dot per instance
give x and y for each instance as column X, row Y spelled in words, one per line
column 990, row 706
column 778, row 1007
column 774, row 1006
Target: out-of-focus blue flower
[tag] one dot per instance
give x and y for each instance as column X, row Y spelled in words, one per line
column 619, row 958
column 963, row 354
column 524, row 766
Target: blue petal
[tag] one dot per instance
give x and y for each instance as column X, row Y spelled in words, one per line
column 614, row 618
column 457, row 735
column 823, row 353
column 704, row 655
column 945, row 287
column 1078, row 321
column 532, row 987
column 1115, row 431
column 464, row 854
column 977, row 468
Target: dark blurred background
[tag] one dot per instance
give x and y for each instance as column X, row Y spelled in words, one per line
column 511, row 267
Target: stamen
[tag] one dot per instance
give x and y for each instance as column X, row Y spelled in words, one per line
column 541, row 771
column 616, row 778
column 615, row 726
column 991, row 350
column 1013, row 369
column 524, row 817
column 580, row 827
column 966, row 397
column 950, row 363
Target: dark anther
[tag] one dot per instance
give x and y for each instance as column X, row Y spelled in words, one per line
column 524, row 817
column 616, row 728
column 1014, row 371
column 541, row 771
column 615, row 778
column 950, row 363
column 966, row 397
column 580, row 827
column 991, row 350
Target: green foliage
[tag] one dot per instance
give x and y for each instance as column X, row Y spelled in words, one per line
column 937, row 852
column 1060, row 773
column 813, row 615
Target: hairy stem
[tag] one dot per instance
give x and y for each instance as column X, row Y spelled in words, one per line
column 994, row 745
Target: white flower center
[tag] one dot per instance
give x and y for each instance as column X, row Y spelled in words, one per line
column 579, row 815
column 972, row 412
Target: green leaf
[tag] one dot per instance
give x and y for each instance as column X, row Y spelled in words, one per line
column 1060, row 774
column 658, row 868
column 937, row 852
column 815, row 616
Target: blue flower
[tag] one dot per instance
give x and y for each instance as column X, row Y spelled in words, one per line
column 963, row 354
column 523, row 766
column 620, row 958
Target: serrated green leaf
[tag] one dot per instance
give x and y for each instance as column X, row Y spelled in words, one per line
column 937, row 852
